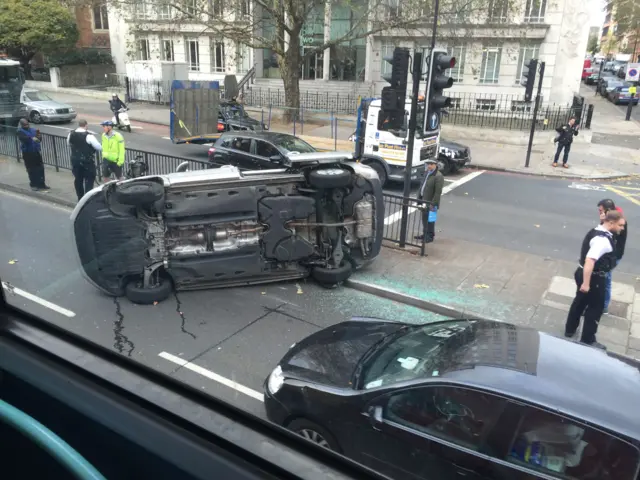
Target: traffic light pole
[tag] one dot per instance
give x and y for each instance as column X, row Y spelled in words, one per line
column 535, row 115
column 413, row 120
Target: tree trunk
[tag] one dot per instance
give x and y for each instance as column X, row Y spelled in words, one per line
column 290, row 72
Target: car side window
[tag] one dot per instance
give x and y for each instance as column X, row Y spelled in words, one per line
column 241, row 144
column 459, row 415
column 555, row 444
column 264, row 149
column 226, row 142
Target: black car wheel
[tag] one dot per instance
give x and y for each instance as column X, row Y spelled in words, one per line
column 35, row 117
column 380, row 170
column 140, row 194
column 330, row 178
column 314, row 433
column 136, row 293
column 330, row 277
column 444, row 165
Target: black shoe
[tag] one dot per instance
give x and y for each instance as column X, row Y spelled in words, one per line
column 569, row 334
column 419, row 237
column 46, row 187
column 429, row 240
column 596, row 345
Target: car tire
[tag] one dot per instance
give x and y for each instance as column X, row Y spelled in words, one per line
column 128, row 127
column 380, row 170
column 314, row 432
column 326, row 178
column 444, row 166
column 331, row 277
column 140, row 194
column 148, row 296
column 35, row 117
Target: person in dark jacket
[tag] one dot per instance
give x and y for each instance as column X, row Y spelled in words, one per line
column 30, row 147
column 116, row 104
column 564, row 140
column 83, row 165
column 604, row 206
column 430, row 192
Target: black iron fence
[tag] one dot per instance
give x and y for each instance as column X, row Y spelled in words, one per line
column 57, row 153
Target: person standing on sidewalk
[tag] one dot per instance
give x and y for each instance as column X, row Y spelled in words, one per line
column 564, row 141
column 83, row 166
column 112, row 152
column 597, row 258
column 430, row 192
column 30, row 147
column 605, row 206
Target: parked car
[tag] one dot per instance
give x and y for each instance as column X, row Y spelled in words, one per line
column 592, row 79
column 232, row 116
column 621, row 71
column 609, row 66
column 608, row 84
column 470, row 399
column 43, row 109
column 619, row 94
column 319, row 215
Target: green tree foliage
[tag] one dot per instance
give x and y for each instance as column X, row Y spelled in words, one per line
column 627, row 16
column 592, row 45
column 31, row 26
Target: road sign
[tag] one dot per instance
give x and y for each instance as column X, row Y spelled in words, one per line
column 633, row 72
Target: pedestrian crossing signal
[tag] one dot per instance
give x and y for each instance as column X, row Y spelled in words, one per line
column 528, row 78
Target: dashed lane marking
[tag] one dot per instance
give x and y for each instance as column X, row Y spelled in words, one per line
column 394, row 217
column 10, row 289
column 212, row 376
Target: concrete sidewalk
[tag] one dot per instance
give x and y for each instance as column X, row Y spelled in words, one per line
column 456, row 279
column 463, row 279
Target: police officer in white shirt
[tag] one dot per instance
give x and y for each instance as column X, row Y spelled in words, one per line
column 83, row 145
column 597, row 258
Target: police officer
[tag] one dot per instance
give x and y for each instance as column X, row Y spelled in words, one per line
column 83, row 166
column 112, row 152
column 604, row 206
column 597, row 258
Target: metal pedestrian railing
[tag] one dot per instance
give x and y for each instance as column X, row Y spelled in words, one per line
column 57, row 153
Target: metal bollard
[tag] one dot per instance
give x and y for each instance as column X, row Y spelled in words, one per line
column 587, row 122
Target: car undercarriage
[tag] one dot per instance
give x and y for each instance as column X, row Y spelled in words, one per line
column 220, row 227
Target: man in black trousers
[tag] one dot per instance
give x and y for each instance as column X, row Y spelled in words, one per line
column 83, row 165
column 597, row 259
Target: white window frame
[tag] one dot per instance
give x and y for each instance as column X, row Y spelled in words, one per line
column 217, row 64
column 143, row 49
column 165, row 11
column 486, row 104
column 241, row 50
column 460, row 53
column 190, row 7
column 194, row 64
column 393, row 9
column 104, row 18
column 385, row 51
column 244, row 8
column 167, row 45
column 217, row 8
column 498, row 11
column 493, row 65
column 535, row 13
column 527, row 52
column 142, row 10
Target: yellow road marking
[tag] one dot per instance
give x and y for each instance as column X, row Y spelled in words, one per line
column 626, row 195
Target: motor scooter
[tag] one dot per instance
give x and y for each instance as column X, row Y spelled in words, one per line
column 124, row 123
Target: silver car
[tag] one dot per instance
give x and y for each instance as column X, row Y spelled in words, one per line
column 44, row 109
column 321, row 215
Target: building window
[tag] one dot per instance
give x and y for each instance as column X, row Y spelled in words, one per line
column 490, row 68
column 535, row 10
column 164, row 10
column 243, row 58
column 244, row 8
column 100, row 18
column 527, row 52
column 459, row 52
column 498, row 11
column 387, row 51
column 217, row 56
column 217, row 7
column 393, row 9
column 142, row 10
column 485, row 104
column 142, row 49
column 193, row 54
column 190, row 7
column 167, row 51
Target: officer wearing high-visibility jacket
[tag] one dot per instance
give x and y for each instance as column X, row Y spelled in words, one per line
column 112, row 152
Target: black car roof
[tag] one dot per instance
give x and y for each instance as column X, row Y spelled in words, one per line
column 271, row 136
column 564, row 376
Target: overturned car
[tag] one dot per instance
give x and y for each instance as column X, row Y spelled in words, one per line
column 320, row 215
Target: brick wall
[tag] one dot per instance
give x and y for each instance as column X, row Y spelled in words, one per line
column 91, row 37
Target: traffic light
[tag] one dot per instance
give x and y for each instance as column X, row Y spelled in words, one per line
column 392, row 109
column 528, row 78
column 437, row 82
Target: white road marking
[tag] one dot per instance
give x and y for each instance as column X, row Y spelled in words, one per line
column 166, row 138
column 41, row 301
column 394, row 217
column 212, row 376
column 587, row 186
column 135, row 126
column 449, row 180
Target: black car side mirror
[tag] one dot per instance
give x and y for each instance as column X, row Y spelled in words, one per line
column 375, row 416
column 275, row 158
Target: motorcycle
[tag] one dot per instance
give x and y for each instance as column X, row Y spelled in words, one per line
column 137, row 167
column 124, row 123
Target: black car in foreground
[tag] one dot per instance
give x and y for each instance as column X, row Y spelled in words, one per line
column 471, row 399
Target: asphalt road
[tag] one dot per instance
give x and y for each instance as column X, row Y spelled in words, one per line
column 230, row 335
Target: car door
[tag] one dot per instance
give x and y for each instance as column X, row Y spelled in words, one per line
column 267, row 155
column 240, row 152
column 439, row 431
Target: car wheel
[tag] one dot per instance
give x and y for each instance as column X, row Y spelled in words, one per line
column 136, row 293
column 331, row 277
column 128, row 127
column 314, row 433
column 139, row 194
column 35, row 117
column 380, row 170
column 444, row 166
column 330, row 178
